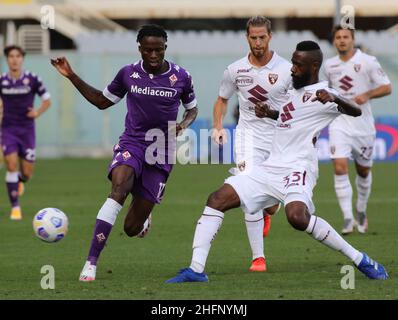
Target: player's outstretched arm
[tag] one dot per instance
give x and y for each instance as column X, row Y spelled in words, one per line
column 345, row 106
column 92, row 95
column 263, row 110
column 219, row 110
column 188, row 117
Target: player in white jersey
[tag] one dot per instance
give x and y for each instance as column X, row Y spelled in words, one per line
column 289, row 174
column 359, row 77
column 261, row 76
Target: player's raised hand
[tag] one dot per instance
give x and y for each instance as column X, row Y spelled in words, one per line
column 63, row 66
column 324, row 96
column 219, row 136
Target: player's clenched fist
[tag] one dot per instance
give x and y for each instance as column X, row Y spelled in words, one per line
column 63, row 66
column 262, row 110
column 324, row 96
column 219, row 136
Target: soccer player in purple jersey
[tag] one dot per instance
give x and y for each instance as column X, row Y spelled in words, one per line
column 18, row 88
column 155, row 88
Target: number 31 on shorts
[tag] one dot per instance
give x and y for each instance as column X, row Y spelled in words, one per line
column 295, row 178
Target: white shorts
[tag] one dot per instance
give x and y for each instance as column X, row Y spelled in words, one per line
column 267, row 186
column 247, row 155
column 358, row 148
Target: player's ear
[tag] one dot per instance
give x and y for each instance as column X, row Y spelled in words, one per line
column 165, row 47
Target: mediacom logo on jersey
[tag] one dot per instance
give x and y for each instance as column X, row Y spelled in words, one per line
column 154, row 91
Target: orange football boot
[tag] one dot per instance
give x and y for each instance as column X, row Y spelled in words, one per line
column 259, row 265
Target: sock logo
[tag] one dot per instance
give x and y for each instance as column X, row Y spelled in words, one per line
column 101, row 237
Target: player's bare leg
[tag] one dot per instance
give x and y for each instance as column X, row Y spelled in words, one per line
column 122, row 184
column 363, row 183
column 207, row 227
column 137, row 222
column 25, row 175
column 298, row 216
column 12, row 179
column 343, row 190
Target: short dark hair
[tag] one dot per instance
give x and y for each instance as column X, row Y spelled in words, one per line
column 8, row 49
column 151, row 30
column 338, row 28
column 313, row 49
column 258, row 21
column 307, row 45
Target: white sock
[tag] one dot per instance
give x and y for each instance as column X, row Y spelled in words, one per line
column 322, row 231
column 206, row 230
column 109, row 211
column 363, row 189
column 343, row 190
column 254, row 227
column 12, row 177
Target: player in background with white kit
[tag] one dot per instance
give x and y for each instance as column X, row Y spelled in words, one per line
column 359, row 77
column 261, row 76
column 289, row 174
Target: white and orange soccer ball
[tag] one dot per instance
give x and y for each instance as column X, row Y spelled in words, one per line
column 50, row 224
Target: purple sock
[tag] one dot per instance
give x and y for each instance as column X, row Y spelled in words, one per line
column 101, row 233
column 12, row 188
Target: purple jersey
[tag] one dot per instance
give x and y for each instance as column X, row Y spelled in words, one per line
column 18, row 98
column 152, row 100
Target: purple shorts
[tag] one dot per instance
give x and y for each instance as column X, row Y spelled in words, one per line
column 19, row 140
column 149, row 181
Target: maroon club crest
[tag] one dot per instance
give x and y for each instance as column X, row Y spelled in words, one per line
column 272, row 78
column 306, row 96
column 357, row 67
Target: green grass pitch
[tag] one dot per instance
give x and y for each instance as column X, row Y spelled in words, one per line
column 131, row 268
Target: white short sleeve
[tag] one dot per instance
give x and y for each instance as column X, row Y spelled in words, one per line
column 228, row 87
column 377, row 74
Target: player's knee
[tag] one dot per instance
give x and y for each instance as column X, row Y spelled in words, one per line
column 271, row 210
column 216, row 201
column 297, row 218
column 340, row 168
column 119, row 192
column 363, row 172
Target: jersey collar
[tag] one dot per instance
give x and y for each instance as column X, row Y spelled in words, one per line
column 270, row 65
column 141, row 62
column 315, row 86
column 355, row 58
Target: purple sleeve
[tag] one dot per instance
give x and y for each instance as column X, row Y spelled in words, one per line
column 116, row 90
column 40, row 89
column 188, row 97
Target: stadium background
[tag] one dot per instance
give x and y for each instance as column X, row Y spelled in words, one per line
column 98, row 37
column 204, row 44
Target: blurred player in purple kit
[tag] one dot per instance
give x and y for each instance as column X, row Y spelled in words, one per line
column 155, row 88
column 18, row 88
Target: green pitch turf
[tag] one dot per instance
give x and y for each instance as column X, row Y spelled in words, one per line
column 130, row 268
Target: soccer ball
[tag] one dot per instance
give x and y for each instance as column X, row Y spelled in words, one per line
column 50, row 224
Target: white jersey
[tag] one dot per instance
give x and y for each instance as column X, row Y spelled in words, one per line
column 269, row 84
column 352, row 78
column 298, row 126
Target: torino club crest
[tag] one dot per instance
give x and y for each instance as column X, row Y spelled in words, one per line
column 306, row 96
column 272, row 78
